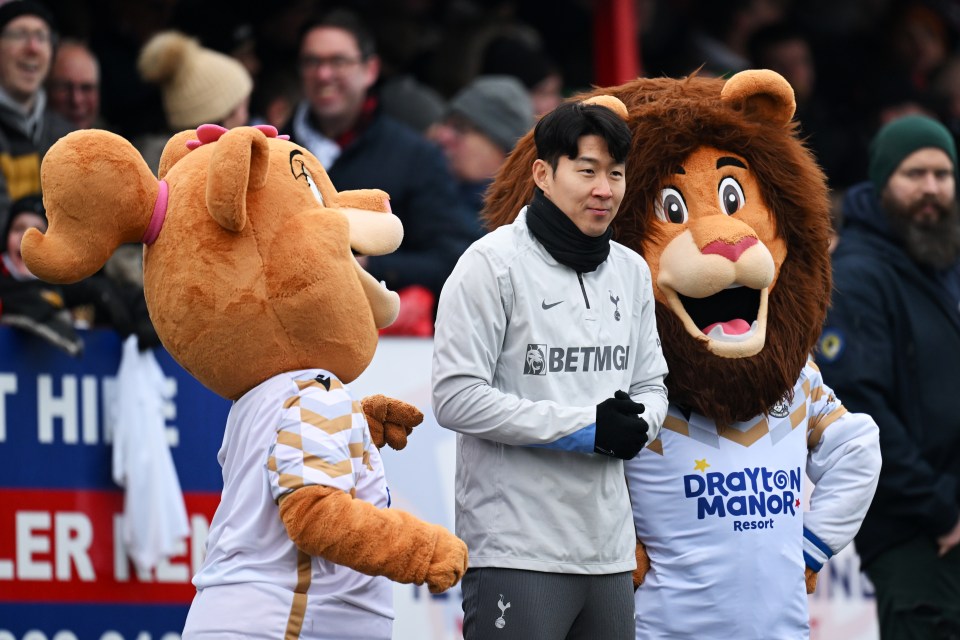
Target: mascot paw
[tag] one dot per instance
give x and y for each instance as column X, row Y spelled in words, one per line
column 448, row 564
column 390, row 420
column 810, row 576
column 643, row 565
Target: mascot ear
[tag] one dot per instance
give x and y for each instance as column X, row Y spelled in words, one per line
column 239, row 164
column 761, row 94
column 99, row 193
column 610, row 102
column 174, row 150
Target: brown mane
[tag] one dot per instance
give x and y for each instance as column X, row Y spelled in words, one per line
column 670, row 119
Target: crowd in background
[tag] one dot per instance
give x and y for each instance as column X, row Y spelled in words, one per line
column 462, row 79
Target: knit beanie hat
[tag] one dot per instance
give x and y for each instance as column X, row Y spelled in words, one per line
column 499, row 106
column 898, row 139
column 27, row 204
column 412, row 102
column 12, row 10
column 198, row 85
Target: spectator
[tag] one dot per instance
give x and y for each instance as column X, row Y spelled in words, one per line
column 919, row 41
column 341, row 123
column 482, row 124
column 541, row 498
column 512, row 56
column 275, row 96
column 945, row 94
column 74, row 85
column 721, row 37
column 891, row 348
column 25, row 301
column 198, row 85
column 27, row 128
column 52, row 311
column 411, row 102
column 833, row 133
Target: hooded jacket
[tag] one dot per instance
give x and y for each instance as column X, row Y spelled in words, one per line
column 891, row 348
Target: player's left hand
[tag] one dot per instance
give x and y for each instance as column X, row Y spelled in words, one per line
column 390, row 420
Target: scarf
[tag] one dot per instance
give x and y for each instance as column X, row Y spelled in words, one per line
column 562, row 239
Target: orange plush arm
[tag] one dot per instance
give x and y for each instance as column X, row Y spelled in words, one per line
column 326, row 522
column 810, row 577
column 390, row 420
column 643, row 565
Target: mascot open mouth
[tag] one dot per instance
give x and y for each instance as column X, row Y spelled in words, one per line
column 732, row 322
column 374, row 232
column 730, row 315
column 384, row 303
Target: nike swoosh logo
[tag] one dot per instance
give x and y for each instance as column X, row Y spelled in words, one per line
column 543, row 303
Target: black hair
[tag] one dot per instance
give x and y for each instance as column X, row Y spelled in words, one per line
column 558, row 133
column 347, row 21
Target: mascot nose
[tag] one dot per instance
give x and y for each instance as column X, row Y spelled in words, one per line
column 730, row 251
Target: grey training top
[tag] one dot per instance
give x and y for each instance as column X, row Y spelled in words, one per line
column 525, row 348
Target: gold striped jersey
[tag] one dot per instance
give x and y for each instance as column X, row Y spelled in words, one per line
column 721, row 509
column 294, row 430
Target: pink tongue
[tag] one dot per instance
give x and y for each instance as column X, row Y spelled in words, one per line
column 731, row 327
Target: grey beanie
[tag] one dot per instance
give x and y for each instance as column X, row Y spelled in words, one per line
column 499, row 106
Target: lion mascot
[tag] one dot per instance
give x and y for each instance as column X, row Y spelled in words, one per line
column 730, row 211
column 252, row 285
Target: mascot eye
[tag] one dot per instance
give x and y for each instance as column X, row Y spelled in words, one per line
column 731, row 195
column 671, row 206
column 313, row 186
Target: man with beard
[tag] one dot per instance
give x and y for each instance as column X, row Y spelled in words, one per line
column 891, row 348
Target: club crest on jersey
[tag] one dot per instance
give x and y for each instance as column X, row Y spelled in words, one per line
column 539, row 359
column 781, row 409
column 616, row 306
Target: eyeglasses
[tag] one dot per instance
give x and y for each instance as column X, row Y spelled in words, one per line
column 22, row 36
column 337, row 64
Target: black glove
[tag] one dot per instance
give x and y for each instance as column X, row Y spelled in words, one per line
column 621, row 432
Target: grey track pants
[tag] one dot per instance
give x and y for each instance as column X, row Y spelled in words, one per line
column 507, row 604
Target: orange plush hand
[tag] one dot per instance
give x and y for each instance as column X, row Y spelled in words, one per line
column 390, row 420
column 810, row 577
column 448, row 564
column 332, row 524
column 643, row 565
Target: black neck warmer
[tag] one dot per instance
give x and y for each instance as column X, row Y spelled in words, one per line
column 562, row 239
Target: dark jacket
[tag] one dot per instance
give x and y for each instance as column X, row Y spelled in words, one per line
column 390, row 156
column 891, row 348
column 22, row 147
